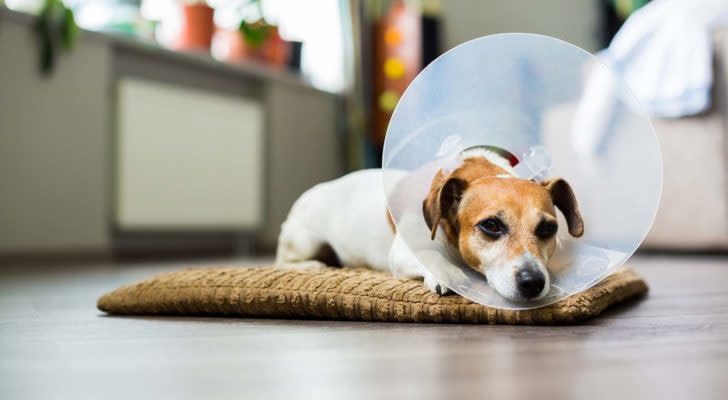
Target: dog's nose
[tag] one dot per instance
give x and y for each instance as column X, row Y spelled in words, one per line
column 530, row 282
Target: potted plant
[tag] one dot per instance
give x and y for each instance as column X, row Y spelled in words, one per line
column 253, row 38
column 197, row 25
column 56, row 31
column 274, row 50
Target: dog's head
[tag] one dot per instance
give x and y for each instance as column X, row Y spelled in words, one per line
column 503, row 227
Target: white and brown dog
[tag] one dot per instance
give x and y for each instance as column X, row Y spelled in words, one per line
column 499, row 225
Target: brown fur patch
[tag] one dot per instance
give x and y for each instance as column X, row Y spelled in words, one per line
column 563, row 197
column 519, row 203
column 470, row 170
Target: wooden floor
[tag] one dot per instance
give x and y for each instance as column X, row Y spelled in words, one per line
column 55, row 344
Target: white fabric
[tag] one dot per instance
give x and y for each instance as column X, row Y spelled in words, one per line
column 664, row 52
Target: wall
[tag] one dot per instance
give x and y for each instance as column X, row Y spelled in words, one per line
column 576, row 21
column 53, row 146
column 56, row 139
column 304, row 149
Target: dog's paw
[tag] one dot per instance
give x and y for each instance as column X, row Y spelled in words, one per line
column 436, row 287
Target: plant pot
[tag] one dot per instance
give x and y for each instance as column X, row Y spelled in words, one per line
column 275, row 51
column 197, row 27
column 229, row 45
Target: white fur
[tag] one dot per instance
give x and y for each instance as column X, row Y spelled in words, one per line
column 489, row 155
column 349, row 214
column 501, row 276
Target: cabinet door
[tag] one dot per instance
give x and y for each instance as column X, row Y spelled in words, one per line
column 187, row 159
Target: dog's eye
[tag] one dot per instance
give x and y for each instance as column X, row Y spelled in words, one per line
column 492, row 227
column 546, row 229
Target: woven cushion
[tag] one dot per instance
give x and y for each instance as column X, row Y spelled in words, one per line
column 342, row 294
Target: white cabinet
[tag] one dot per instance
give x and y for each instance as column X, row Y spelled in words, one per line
column 186, row 159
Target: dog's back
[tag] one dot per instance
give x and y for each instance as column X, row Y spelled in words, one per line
column 347, row 215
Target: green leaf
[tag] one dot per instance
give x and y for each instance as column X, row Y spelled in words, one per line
column 56, row 30
column 43, row 29
column 256, row 33
column 69, row 29
column 46, row 50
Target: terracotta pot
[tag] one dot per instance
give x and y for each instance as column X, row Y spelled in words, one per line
column 275, row 50
column 229, row 45
column 197, row 27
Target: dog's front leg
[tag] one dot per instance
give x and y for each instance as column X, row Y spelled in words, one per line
column 403, row 263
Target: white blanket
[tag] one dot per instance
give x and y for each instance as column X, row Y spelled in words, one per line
column 664, row 53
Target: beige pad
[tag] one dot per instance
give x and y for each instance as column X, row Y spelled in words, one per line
column 342, row 294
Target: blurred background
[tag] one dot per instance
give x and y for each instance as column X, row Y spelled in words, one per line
column 168, row 128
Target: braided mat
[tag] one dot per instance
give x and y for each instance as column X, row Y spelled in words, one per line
column 342, row 294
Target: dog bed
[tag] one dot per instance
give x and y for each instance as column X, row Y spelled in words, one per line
column 342, row 294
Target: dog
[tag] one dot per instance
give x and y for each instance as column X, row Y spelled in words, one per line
column 497, row 224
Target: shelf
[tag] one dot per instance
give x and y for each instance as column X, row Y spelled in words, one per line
column 247, row 69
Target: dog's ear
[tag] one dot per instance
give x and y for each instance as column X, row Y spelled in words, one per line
column 442, row 202
column 563, row 198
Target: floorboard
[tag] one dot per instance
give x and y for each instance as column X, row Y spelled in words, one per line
column 55, row 344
